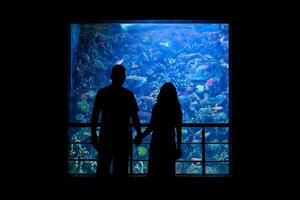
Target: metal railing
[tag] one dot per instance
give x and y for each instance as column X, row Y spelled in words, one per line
column 202, row 144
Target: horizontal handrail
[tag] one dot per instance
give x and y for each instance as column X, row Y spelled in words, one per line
column 145, row 160
column 146, row 124
column 150, row 142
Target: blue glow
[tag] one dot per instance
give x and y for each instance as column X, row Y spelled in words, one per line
column 195, row 57
column 192, row 55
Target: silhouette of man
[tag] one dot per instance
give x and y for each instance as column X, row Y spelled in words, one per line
column 117, row 106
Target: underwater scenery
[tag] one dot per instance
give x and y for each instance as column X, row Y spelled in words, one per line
column 193, row 56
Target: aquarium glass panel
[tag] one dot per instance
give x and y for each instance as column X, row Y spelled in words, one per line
column 191, row 152
column 217, row 152
column 78, row 134
column 217, row 134
column 217, row 167
column 82, row 167
column 82, row 151
column 191, row 134
column 141, row 152
column 189, row 168
column 140, row 167
column 193, row 56
column 146, row 139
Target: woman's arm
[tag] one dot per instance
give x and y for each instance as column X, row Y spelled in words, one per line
column 148, row 130
column 179, row 134
column 138, row 139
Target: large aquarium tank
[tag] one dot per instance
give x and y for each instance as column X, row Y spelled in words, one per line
column 194, row 56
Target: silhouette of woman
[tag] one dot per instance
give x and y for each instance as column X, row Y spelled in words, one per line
column 166, row 117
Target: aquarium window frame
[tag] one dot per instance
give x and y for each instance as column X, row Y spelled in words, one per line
column 202, row 144
column 200, row 125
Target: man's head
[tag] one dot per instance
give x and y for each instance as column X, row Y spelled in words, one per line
column 118, row 75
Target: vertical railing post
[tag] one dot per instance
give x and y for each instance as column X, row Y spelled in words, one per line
column 203, row 151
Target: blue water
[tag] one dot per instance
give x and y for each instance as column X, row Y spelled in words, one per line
column 192, row 56
column 195, row 57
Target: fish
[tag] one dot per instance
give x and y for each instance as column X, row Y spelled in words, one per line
column 207, row 134
column 119, row 62
column 222, row 39
column 200, row 88
column 147, row 98
column 87, row 133
column 166, row 44
column 193, row 77
column 197, row 76
column 216, row 108
column 134, row 66
column 196, row 159
column 125, row 27
column 137, row 78
column 209, row 83
column 196, row 141
column 201, row 68
column 189, row 55
column 136, row 81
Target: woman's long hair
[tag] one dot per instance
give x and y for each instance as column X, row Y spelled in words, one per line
column 168, row 102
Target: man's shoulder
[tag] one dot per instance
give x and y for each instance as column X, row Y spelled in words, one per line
column 127, row 91
column 103, row 90
column 109, row 89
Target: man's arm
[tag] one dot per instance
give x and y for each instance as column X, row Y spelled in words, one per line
column 136, row 123
column 134, row 116
column 94, row 121
column 139, row 137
